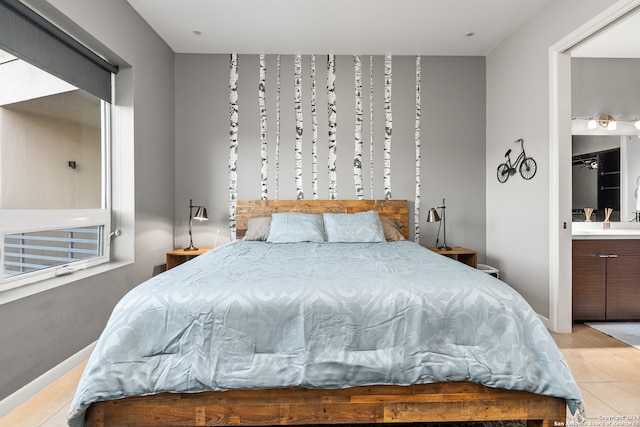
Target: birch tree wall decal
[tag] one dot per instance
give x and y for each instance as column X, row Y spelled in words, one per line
column 314, row 130
column 297, row 104
column 233, row 146
column 332, row 111
column 277, row 148
column 357, row 161
column 416, row 216
column 371, row 150
column 388, row 126
column 263, row 127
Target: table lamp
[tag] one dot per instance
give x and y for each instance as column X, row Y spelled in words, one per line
column 432, row 216
column 201, row 215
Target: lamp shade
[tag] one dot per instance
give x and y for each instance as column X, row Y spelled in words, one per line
column 432, row 215
column 201, row 214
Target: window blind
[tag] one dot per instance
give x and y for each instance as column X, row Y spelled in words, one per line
column 29, row 36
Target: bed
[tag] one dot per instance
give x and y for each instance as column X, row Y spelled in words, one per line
column 315, row 332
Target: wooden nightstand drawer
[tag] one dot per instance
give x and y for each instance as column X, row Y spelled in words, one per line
column 464, row 255
column 177, row 257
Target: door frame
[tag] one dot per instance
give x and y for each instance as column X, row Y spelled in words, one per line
column 560, row 288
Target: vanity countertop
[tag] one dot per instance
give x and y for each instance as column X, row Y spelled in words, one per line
column 596, row 230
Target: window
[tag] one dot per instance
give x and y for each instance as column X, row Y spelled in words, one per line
column 53, row 186
column 55, row 99
column 26, row 253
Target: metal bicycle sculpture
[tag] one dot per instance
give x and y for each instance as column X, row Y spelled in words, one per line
column 527, row 166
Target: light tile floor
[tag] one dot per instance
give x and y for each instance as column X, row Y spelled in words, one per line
column 49, row 407
column 608, row 373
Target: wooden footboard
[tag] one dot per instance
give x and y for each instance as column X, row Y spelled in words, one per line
column 440, row 402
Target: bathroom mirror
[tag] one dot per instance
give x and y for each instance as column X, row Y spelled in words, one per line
column 606, row 174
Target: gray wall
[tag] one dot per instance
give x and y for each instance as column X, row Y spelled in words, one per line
column 606, row 86
column 44, row 329
column 518, row 106
column 453, row 142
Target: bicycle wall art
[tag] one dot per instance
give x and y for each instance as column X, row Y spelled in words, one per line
column 525, row 165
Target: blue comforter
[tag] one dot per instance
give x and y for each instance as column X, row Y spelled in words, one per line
column 320, row 315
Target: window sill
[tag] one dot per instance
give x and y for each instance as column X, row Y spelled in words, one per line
column 10, row 295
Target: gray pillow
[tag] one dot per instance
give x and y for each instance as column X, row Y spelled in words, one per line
column 258, row 228
column 392, row 228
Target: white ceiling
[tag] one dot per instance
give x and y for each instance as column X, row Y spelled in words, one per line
column 619, row 40
column 398, row 27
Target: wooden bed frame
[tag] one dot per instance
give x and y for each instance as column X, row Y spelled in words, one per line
column 439, row 402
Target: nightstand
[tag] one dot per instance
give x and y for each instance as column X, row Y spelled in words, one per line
column 464, row 255
column 178, row 256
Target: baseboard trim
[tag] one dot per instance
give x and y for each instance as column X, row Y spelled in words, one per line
column 20, row 396
column 546, row 322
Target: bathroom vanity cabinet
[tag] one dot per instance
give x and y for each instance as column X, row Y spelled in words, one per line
column 606, row 279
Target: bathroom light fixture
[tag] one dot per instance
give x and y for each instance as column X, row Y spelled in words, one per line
column 432, row 216
column 608, row 122
column 201, row 215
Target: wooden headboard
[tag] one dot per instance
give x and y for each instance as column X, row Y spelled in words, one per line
column 246, row 209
